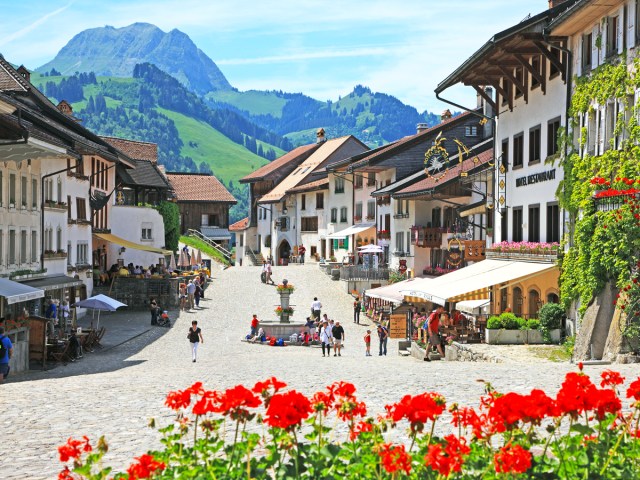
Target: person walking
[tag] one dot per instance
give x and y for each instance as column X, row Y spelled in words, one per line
column 191, row 291
column 434, row 333
column 357, row 306
column 195, row 337
column 155, row 310
column 183, row 296
column 311, row 325
column 325, row 338
column 316, row 306
column 197, row 292
column 254, row 325
column 338, row 338
column 383, row 335
column 266, row 269
column 367, row 343
column 301, row 252
column 6, row 348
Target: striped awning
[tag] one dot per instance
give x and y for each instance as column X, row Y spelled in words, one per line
column 475, row 281
column 109, row 237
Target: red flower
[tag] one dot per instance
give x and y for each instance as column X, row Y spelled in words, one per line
column 358, row 428
column 606, row 401
column 66, row 474
column 322, row 402
column 273, row 382
column 287, row 410
column 417, row 409
column 145, row 467
column 449, row 458
column 208, row 403
column 74, row 449
column 467, row 417
column 512, row 459
column 196, row 389
column 235, row 402
column 611, row 378
column 394, row 458
column 634, row 390
column 349, row 408
column 178, row 399
column 342, row 389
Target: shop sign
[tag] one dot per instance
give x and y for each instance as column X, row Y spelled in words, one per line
column 455, row 252
column 536, row 178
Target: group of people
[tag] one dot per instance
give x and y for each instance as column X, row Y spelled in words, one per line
column 191, row 293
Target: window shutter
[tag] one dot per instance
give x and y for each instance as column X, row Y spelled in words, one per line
column 594, row 46
column 620, row 30
column 631, row 24
column 577, row 57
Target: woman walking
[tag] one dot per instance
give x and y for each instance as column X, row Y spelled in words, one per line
column 325, row 338
column 195, row 337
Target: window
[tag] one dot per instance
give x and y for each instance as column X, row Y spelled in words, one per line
column 357, row 180
column 12, row 247
column 553, row 223
column 504, row 157
column 587, row 47
column 81, row 208
column 319, row 201
column 146, row 234
column 339, row 185
column 553, row 70
column 449, row 218
column 343, row 214
column 34, row 246
column 534, row 223
column 357, row 216
column 516, row 233
column 303, row 202
column 506, row 86
column 613, row 23
column 204, row 220
column 518, row 150
column 552, row 136
column 536, row 63
column 58, row 238
column 399, row 207
column 34, row 194
column 534, row 303
column 436, row 218
column 371, row 209
column 471, row 131
column 334, row 215
column 408, row 249
column 519, row 74
column 1, row 247
column 1, row 191
column 23, row 192
column 12, row 189
column 83, row 253
column 534, row 145
column 23, row 246
column 69, row 250
column 309, row 224
column 371, row 179
column 504, row 220
column 399, row 242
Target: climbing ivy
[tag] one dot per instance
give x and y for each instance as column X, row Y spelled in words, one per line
column 171, row 216
column 604, row 243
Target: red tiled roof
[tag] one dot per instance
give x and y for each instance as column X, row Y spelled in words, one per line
column 285, row 159
column 307, row 187
column 429, row 183
column 239, row 225
column 194, row 187
column 134, row 149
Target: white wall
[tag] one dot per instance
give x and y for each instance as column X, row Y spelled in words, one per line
column 127, row 222
column 339, row 201
column 309, row 239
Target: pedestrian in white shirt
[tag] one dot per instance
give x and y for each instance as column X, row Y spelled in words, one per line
column 315, row 307
column 325, row 338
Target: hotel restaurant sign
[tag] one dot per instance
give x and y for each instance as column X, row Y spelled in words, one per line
column 536, row 178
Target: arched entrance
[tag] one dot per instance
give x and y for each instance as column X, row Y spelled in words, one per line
column 284, row 251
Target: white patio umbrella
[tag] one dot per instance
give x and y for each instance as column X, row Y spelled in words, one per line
column 199, row 258
column 100, row 302
column 172, row 263
column 370, row 249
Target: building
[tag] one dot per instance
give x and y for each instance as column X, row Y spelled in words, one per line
column 204, row 205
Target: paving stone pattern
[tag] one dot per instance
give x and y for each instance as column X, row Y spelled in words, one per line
column 115, row 391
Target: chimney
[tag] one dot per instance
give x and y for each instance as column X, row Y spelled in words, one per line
column 555, row 3
column 65, row 108
column 421, row 127
column 320, row 136
column 24, row 73
column 446, row 115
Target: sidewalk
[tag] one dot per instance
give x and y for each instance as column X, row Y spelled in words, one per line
column 120, row 326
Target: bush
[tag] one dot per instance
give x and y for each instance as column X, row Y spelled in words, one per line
column 510, row 321
column 550, row 316
column 495, row 323
column 533, row 324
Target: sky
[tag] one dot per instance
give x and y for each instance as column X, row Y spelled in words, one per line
column 402, row 48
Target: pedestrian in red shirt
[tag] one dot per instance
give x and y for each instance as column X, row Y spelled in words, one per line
column 433, row 329
column 254, row 325
column 367, row 342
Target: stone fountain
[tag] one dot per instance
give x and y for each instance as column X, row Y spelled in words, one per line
column 283, row 327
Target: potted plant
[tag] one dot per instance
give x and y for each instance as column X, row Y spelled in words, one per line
column 550, row 316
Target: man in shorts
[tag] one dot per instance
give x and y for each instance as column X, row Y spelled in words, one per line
column 8, row 352
column 433, row 329
column 338, row 338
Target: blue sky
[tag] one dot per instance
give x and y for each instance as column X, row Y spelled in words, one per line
column 323, row 49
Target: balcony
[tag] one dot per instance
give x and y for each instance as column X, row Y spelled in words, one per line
column 55, row 254
column 53, row 205
column 524, row 251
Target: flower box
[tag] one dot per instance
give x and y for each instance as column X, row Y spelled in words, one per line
column 518, row 337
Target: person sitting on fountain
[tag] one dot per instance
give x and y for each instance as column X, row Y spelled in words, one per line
column 258, row 336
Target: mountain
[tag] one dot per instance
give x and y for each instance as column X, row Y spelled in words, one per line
column 114, row 52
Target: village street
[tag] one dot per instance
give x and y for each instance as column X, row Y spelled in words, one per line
column 115, row 392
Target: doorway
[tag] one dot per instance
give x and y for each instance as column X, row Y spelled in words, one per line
column 284, row 251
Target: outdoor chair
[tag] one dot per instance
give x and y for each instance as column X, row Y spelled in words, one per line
column 63, row 354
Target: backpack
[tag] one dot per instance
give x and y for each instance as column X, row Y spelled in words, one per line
column 280, row 342
column 4, row 351
column 272, row 342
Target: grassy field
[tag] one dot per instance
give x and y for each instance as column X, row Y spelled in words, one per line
column 228, row 160
column 254, row 102
column 204, row 248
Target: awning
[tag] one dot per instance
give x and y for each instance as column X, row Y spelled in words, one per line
column 473, row 210
column 472, row 306
column 352, row 230
column 127, row 244
column 216, row 233
column 15, row 292
column 391, row 292
column 54, row 283
column 474, row 282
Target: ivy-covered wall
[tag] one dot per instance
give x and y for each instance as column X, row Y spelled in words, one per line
column 171, row 216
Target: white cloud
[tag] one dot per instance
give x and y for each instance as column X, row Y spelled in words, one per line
column 32, row 26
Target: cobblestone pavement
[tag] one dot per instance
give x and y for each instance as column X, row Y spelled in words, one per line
column 114, row 392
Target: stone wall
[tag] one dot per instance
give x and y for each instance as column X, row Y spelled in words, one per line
column 136, row 292
column 595, row 327
column 458, row 352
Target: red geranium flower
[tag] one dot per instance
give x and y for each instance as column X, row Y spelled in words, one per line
column 235, row 402
column 512, row 459
column 634, row 390
column 74, row 449
column 467, row 417
column 350, row 408
column 287, row 410
column 358, row 428
column 178, row 399
column 417, row 409
column 322, row 402
column 273, row 382
column 394, row 458
column 611, row 378
column 208, row 403
column 66, row 474
column 342, row 389
column 575, row 395
column 449, row 458
column 145, row 467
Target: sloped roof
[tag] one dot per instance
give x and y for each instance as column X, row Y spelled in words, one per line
column 311, row 186
column 291, row 159
column 239, row 225
column 10, row 79
column 144, row 174
column 424, row 184
column 199, row 187
column 134, row 148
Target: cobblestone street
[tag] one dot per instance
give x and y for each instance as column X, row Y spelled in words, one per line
column 114, row 392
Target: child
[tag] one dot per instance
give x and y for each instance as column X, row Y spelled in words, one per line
column 367, row 342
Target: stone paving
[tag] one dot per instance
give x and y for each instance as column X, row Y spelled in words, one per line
column 114, row 392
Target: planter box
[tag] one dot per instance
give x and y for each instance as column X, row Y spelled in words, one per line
column 518, row 337
column 523, row 256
